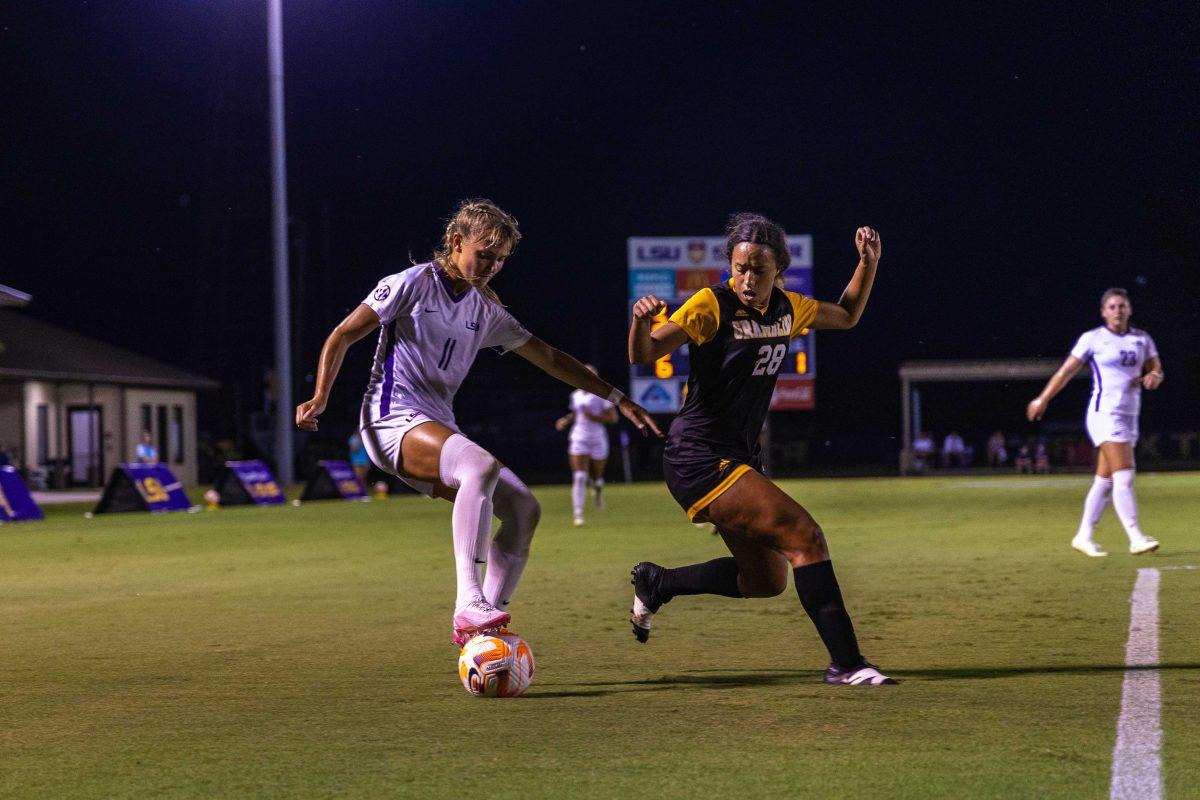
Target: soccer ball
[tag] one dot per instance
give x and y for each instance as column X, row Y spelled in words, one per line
column 496, row 664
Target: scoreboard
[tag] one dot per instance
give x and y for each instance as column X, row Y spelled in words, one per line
column 673, row 268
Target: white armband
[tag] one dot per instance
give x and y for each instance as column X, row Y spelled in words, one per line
column 615, row 396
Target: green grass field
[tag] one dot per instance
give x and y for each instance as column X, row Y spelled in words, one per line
column 304, row 652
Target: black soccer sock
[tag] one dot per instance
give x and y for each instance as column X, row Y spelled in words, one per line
column 822, row 600
column 718, row 576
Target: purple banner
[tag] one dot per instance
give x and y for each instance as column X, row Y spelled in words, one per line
column 158, row 486
column 345, row 479
column 16, row 504
column 258, row 482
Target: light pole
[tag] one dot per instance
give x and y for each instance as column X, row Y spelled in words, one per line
column 279, row 231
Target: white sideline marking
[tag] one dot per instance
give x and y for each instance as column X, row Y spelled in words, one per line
column 1020, row 483
column 1137, row 755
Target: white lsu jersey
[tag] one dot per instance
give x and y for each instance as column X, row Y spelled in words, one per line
column 584, row 430
column 1117, row 364
column 428, row 340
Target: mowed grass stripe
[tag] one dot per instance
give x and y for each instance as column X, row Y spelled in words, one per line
column 305, row 652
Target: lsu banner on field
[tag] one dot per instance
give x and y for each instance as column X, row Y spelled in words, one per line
column 335, row 480
column 673, row 268
column 142, row 487
column 242, row 483
column 16, row 504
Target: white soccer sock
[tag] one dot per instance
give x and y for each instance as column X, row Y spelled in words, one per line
column 598, row 485
column 579, row 482
column 519, row 513
column 1093, row 506
column 472, row 470
column 1125, row 502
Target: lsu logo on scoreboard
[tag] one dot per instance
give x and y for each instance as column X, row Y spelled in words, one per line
column 658, row 252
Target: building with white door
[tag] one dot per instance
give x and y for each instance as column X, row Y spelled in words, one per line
column 72, row 407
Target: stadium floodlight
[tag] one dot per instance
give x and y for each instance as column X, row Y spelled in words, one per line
column 283, row 364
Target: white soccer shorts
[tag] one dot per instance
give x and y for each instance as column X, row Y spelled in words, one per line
column 382, row 439
column 1110, row 426
column 595, row 449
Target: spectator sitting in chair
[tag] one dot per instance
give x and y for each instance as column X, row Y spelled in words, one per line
column 1041, row 459
column 1024, row 461
column 147, row 453
column 922, row 449
column 996, row 452
column 953, row 449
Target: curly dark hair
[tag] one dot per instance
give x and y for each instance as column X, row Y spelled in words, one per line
column 757, row 229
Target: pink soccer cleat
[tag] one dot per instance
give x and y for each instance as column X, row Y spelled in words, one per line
column 476, row 617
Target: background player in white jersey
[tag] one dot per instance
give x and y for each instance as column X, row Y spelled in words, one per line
column 1124, row 361
column 433, row 319
column 587, row 445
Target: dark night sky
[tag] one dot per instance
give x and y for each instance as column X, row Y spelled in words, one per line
column 1017, row 161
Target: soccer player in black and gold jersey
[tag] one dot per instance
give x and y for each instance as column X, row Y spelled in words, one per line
column 737, row 335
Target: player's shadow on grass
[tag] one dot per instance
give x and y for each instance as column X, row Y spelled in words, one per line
column 734, row 679
column 978, row 673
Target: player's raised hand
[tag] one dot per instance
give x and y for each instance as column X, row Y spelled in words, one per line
column 869, row 244
column 1035, row 409
column 638, row 415
column 647, row 307
column 306, row 414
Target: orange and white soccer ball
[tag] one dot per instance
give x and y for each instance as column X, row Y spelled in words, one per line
column 496, row 664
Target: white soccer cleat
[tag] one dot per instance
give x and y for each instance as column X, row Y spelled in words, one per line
column 1088, row 547
column 866, row 675
column 476, row 617
column 1142, row 544
column 645, row 578
column 579, row 522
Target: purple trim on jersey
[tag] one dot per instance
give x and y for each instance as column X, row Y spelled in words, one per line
column 445, row 281
column 1099, row 382
column 385, row 399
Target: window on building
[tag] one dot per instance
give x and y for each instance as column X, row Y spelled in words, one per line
column 147, row 421
column 177, row 434
column 43, row 434
column 163, row 434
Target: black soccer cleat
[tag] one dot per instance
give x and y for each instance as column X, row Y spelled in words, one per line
column 862, row 675
column 646, row 604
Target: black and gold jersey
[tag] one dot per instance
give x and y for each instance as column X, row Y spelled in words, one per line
column 735, row 354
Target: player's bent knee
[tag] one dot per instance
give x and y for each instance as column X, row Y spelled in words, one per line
column 807, row 538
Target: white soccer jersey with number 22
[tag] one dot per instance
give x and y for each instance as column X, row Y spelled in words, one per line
column 428, row 339
column 1117, row 363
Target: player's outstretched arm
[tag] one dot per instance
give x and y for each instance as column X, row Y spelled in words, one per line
column 846, row 312
column 564, row 422
column 645, row 345
column 571, row 371
column 358, row 324
column 1038, row 405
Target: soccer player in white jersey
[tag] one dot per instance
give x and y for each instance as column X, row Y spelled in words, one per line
column 1124, row 361
column 587, row 445
column 432, row 319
